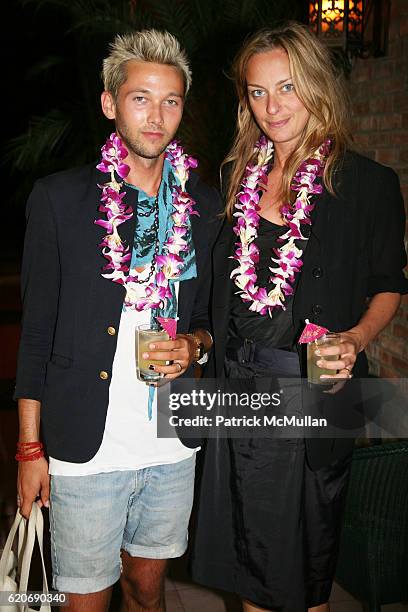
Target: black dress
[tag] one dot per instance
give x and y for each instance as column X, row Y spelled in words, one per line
column 267, row 525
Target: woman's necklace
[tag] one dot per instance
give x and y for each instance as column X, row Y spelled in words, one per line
column 166, row 266
column 287, row 258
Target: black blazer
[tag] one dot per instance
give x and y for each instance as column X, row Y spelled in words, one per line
column 354, row 251
column 68, row 306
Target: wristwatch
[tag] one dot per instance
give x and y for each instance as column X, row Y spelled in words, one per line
column 199, row 347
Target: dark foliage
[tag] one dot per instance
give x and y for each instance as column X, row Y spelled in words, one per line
column 68, row 128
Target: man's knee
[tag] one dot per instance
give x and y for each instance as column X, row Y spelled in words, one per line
column 146, row 595
column 143, row 580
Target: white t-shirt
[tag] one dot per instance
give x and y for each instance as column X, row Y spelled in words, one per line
column 130, row 440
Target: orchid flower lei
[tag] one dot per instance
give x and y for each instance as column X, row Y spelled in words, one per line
column 288, row 256
column 168, row 264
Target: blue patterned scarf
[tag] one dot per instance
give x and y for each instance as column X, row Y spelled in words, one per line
column 144, row 242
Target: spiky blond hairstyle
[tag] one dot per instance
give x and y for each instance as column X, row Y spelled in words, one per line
column 145, row 46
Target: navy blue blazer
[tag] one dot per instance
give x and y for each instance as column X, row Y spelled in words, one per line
column 68, row 307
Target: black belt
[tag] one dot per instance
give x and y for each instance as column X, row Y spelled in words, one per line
column 249, row 351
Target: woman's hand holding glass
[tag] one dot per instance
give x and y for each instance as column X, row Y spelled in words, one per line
column 348, row 349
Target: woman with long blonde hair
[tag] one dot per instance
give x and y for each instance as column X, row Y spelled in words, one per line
column 311, row 230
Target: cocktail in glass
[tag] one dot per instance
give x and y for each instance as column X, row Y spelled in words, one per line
column 147, row 334
column 313, row 370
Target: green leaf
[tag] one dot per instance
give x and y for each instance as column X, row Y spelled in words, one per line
column 43, row 138
column 45, row 66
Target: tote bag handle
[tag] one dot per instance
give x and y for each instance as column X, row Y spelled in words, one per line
column 27, row 531
column 35, row 526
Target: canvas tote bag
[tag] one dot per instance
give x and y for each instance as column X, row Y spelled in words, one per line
column 11, row 566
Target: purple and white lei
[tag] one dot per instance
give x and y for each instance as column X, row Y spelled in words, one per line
column 169, row 263
column 287, row 258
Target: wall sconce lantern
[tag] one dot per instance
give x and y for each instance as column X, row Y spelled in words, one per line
column 357, row 27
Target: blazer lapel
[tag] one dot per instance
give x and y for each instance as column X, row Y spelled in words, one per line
column 223, row 249
column 127, row 229
column 317, row 228
column 222, row 288
column 188, row 288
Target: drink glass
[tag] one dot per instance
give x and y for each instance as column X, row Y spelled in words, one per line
column 313, row 370
column 145, row 335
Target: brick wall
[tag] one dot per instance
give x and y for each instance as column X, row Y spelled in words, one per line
column 379, row 90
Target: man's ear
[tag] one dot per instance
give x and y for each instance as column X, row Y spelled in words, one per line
column 108, row 105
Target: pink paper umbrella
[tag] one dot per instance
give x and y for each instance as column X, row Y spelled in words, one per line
column 169, row 326
column 311, row 332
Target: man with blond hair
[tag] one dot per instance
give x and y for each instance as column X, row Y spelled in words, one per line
column 108, row 249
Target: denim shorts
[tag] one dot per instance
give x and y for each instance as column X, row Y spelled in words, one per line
column 144, row 512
